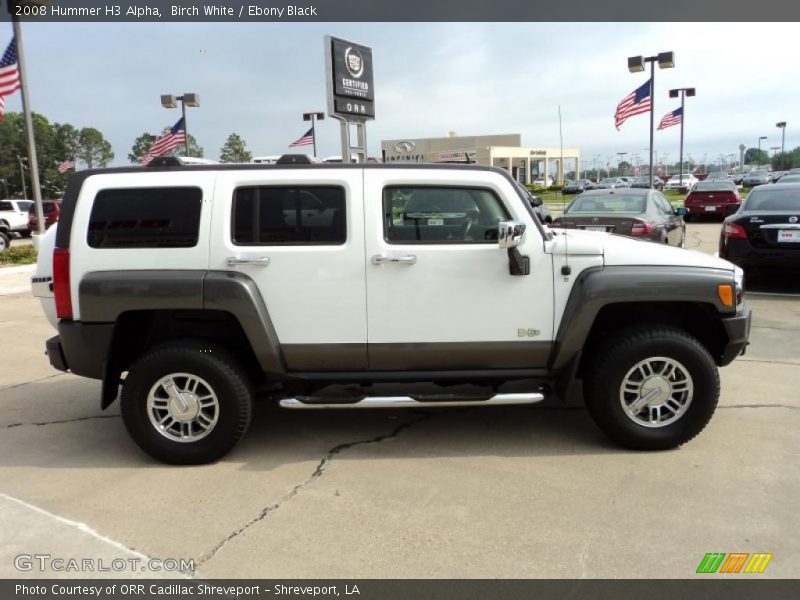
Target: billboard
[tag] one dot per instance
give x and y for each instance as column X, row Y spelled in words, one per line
column 351, row 89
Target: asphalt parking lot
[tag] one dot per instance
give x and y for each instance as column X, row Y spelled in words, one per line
column 486, row 493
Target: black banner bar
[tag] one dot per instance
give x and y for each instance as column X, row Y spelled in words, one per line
column 713, row 587
column 396, row 11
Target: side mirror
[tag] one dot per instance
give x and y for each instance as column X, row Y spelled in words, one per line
column 536, row 201
column 682, row 211
column 510, row 234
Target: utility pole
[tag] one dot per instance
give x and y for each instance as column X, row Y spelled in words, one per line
column 683, row 92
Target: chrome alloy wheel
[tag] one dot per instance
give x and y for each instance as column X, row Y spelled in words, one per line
column 657, row 391
column 183, row 407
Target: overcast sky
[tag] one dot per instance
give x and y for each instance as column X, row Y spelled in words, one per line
column 430, row 78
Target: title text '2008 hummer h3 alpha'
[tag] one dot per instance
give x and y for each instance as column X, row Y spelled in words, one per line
column 194, row 288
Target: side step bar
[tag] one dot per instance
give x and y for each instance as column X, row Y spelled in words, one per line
column 408, row 402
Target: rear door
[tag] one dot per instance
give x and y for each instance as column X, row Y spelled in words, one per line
column 439, row 292
column 299, row 234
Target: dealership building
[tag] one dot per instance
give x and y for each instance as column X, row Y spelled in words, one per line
column 523, row 163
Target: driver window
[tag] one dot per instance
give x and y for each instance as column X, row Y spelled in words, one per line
column 441, row 215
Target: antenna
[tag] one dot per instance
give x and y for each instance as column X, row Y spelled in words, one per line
column 565, row 270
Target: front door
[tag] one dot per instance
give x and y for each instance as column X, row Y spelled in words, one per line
column 439, row 292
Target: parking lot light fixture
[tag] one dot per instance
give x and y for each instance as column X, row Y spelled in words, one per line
column 313, row 116
column 188, row 99
column 665, row 60
column 763, row 137
column 682, row 92
column 782, row 126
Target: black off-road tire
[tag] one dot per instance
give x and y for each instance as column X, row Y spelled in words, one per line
column 5, row 241
column 207, row 361
column 620, row 353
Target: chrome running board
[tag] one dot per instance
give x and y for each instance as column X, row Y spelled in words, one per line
column 408, row 402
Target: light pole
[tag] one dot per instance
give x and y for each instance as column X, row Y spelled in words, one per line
column 763, row 137
column 665, row 60
column 313, row 117
column 682, row 92
column 168, row 101
column 621, row 155
column 742, row 149
column 782, row 127
column 22, row 175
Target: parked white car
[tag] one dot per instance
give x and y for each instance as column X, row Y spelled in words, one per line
column 14, row 215
column 677, row 183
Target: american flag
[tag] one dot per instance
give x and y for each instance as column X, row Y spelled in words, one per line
column 65, row 166
column 9, row 74
column 304, row 140
column 167, row 142
column 635, row 103
column 671, row 118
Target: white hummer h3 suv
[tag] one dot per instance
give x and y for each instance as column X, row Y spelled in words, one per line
column 196, row 288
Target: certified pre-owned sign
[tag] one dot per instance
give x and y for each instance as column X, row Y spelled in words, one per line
column 351, row 92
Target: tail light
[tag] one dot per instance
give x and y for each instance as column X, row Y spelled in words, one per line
column 733, row 230
column 640, row 227
column 61, row 287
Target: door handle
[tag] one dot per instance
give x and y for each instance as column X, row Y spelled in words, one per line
column 259, row 261
column 380, row 259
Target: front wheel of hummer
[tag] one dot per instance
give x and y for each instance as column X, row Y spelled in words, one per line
column 186, row 402
column 651, row 388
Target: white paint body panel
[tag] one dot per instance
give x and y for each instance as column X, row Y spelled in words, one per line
column 84, row 259
column 454, row 292
column 314, row 294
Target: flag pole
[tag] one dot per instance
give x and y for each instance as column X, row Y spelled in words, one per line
column 652, row 108
column 33, row 164
column 683, row 119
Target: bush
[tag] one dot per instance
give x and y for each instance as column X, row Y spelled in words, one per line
column 18, row 255
column 556, row 188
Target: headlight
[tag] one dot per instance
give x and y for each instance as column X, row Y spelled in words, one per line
column 738, row 280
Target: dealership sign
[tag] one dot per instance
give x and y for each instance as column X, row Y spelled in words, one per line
column 351, row 90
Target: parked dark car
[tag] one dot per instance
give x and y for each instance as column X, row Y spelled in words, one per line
column 577, row 186
column 644, row 183
column 764, row 234
column 539, row 208
column 51, row 209
column 711, row 199
column 737, row 178
column 644, row 214
column 776, row 175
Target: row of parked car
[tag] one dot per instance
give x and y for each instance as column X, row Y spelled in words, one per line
column 608, row 183
column 760, row 234
column 19, row 216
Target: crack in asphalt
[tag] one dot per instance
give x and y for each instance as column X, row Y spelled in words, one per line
column 18, row 385
column 789, row 406
column 768, row 362
column 318, row 472
column 64, row 421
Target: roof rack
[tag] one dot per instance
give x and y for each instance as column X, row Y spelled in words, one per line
column 297, row 159
column 179, row 161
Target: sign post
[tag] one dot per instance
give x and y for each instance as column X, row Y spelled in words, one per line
column 351, row 92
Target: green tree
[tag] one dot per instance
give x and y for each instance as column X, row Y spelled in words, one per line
column 786, row 160
column 754, row 156
column 140, row 147
column 142, row 144
column 235, row 150
column 93, row 148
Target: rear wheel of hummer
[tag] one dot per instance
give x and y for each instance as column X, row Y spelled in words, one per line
column 651, row 389
column 186, row 402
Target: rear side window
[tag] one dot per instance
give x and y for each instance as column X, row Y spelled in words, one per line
column 145, row 218
column 289, row 215
column 6, row 206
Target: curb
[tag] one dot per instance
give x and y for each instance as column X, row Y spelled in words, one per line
column 18, row 269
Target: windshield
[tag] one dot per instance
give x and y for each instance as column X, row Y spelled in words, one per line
column 25, row 205
column 774, row 198
column 609, row 180
column 607, row 204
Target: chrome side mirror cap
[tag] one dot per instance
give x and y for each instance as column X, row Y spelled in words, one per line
column 510, row 234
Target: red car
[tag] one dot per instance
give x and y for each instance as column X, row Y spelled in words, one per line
column 711, row 198
column 51, row 210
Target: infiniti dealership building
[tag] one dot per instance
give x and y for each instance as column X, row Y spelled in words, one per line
column 525, row 164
